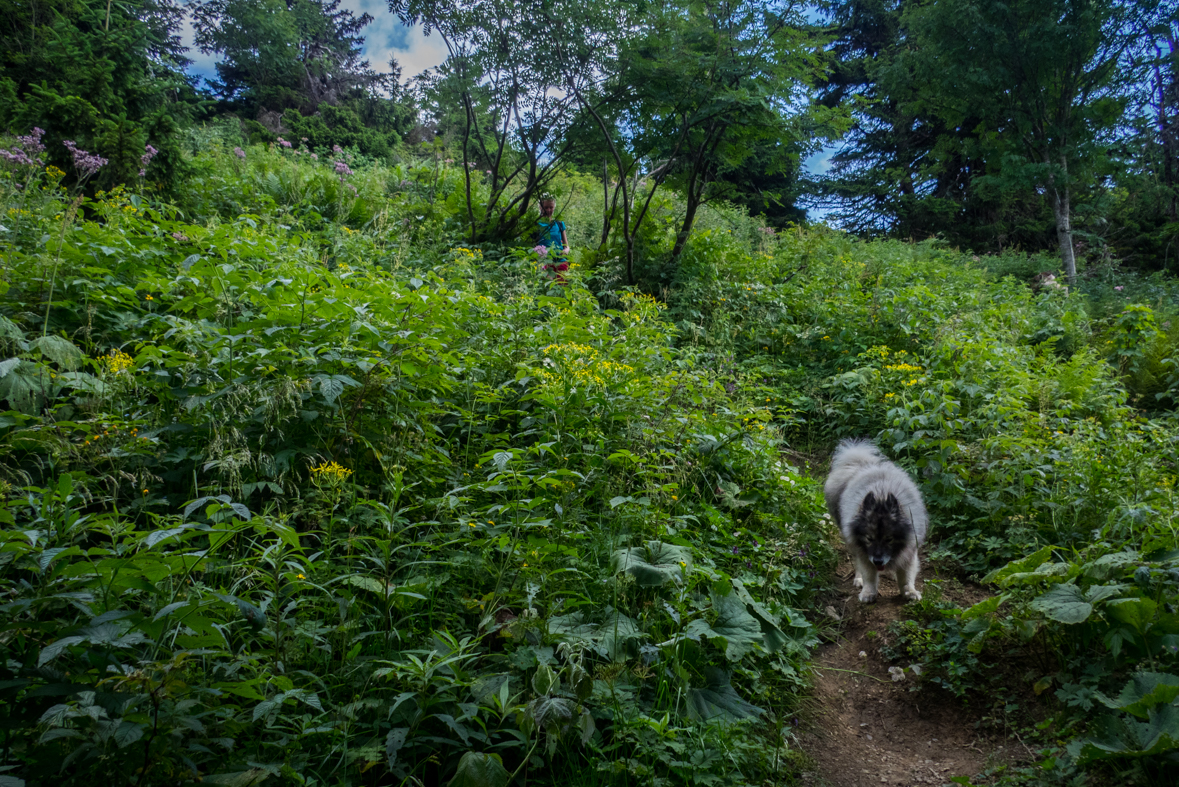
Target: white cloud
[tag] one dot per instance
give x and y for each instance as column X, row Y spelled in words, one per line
column 202, row 65
column 818, row 163
column 385, row 37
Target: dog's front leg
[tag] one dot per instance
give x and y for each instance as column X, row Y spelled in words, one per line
column 866, row 579
column 907, row 577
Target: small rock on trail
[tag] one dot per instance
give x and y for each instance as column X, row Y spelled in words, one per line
column 870, row 730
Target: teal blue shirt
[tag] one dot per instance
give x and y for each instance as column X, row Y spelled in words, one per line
column 550, row 235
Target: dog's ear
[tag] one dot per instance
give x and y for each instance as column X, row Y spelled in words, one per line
column 892, row 504
column 870, row 500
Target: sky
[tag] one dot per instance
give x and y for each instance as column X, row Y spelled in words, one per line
column 385, row 37
column 415, row 52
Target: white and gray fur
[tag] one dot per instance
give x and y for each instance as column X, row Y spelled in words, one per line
column 880, row 514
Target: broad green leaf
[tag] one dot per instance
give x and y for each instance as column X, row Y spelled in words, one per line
column 393, row 743
column 609, row 638
column 1110, row 565
column 251, row 778
column 1098, row 593
column 1064, row 604
column 1115, row 738
column 654, row 563
column 1137, row 613
column 1023, row 565
column 718, row 700
column 545, row 681
column 59, row 350
column 366, row 583
column 1144, row 691
column 735, row 631
column 773, row 637
column 480, row 769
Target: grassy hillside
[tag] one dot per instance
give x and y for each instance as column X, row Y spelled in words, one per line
column 299, row 488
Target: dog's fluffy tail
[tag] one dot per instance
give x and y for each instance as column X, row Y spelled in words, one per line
column 851, row 453
column 850, row 457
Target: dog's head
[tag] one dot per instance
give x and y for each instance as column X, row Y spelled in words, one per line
column 881, row 529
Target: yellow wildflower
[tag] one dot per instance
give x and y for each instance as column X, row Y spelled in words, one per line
column 118, row 361
column 330, row 472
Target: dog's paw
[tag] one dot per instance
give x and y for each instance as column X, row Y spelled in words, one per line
column 912, row 594
column 867, row 596
column 858, row 583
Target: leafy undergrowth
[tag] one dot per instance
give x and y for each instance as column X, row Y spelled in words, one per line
column 1041, row 428
column 298, row 487
column 299, row 499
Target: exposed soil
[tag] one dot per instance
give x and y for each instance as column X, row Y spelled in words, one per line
column 868, row 729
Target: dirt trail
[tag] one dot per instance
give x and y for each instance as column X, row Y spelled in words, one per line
column 869, row 730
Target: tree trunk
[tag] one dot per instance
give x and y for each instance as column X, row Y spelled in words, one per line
column 689, row 218
column 1064, row 228
column 607, row 214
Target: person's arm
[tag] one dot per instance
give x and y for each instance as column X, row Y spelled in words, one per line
column 564, row 239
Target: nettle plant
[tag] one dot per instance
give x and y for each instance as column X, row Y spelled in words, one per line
column 297, row 498
column 1101, row 618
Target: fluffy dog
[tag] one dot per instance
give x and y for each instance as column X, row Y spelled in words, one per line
column 880, row 513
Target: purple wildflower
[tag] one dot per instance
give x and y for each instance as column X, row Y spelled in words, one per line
column 180, row 237
column 343, row 170
column 239, row 153
column 541, row 250
column 148, row 154
column 86, row 163
column 314, row 157
column 27, row 151
column 735, row 550
column 1119, row 288
column 283, row 142
column 337, row 149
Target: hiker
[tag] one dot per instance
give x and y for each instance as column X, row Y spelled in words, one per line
column 552, row 234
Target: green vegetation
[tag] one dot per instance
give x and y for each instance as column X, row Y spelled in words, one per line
column 297, row 488
column 318, row 499
column 311, row 473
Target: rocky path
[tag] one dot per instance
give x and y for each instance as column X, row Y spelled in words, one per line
column 870, row 730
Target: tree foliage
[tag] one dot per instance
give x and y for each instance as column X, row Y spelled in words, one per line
column 106, row 75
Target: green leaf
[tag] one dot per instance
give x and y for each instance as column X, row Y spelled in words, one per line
column 393, row 743
column 253, row 616
column 250, row 778
column 479, row 769
column 1144, row 691
column 773, row 637
column 59, row 350
column 545, row 681
column 1064, row 604
column 1111, row 565
column 1116, row 738
column 735, row 631
column 1023, row 565
column 1137, row 613
column 653, row 564
column 610, row 638
column 366, row 583
column 718, row 700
